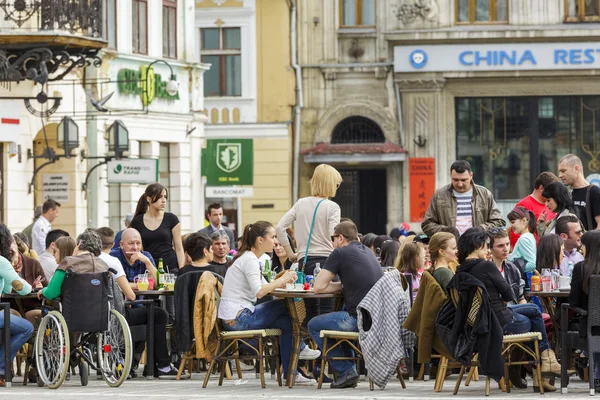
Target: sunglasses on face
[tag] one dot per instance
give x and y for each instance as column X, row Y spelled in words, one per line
column 334, row 236
column 493, row 231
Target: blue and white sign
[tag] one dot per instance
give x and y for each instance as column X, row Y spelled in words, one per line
column 496, row 57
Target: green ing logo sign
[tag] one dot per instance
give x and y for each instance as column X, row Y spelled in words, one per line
column 134, row 82
column 118, row 169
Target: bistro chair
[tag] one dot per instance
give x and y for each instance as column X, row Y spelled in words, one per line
column 229, row 343
column 340, row 338
column 5, row 341
column 570, row 340
column 445, row 363
column 519, row 341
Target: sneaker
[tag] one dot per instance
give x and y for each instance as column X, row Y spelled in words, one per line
column 302, row 380
column 170, row 374
column 246, row 367
column 309, row 354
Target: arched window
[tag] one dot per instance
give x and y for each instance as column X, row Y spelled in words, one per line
column 357, row 130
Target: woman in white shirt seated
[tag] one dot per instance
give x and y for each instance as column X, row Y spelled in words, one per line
column 244, row 284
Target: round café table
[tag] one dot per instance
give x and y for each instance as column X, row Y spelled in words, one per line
column 19, row 300
column 546, row 300
column 297, row 332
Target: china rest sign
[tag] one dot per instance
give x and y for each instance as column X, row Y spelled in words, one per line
column 132, row 171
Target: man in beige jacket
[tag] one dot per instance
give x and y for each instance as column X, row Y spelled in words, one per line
column 461, row 204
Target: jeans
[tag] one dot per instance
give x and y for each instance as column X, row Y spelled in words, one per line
column 272, row 314
column 315, row 307
column 527, row 318
column 20, row 332
column 336, row 321
column 139, row 316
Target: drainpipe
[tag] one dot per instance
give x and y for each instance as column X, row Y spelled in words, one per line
column 299, row 99
column 399, row 108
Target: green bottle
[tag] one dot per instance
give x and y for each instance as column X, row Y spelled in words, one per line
column 160, row 274
column 267, row 271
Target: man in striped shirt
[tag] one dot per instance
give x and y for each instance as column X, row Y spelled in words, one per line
column 461, row 204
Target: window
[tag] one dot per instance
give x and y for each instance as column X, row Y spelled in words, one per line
column 221, row 47
column 169, row 28
column 481, row 11
column 582, row 10
column 510, row 140
column 357, row 13
column 140, row 26
column 110, row 23
column 357, row 130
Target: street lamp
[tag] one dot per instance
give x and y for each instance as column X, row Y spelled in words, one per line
column 68, row 135
column 118, row 138
column 172, row 86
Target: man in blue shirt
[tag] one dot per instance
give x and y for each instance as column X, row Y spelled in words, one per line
column 132, row 258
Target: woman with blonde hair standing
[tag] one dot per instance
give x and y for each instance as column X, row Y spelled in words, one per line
column 315, row 217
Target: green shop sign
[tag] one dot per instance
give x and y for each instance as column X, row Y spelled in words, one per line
column 134, row 82
column 228, row 162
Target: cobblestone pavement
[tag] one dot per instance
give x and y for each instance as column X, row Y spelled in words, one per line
column 187, row 389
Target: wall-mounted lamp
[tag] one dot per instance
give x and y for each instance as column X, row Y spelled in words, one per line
column 118, row 138
column 118, row 145
column 68, row 140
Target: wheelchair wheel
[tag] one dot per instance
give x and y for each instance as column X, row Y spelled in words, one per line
column 84, row 372
column 52, row 350
column 115, row 350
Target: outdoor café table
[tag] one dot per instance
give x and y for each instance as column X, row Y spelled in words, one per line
column 546, row 299
column 297, row 333
column 153, row 293
column 19, row 300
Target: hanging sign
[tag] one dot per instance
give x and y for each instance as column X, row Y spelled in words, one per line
column 421, row 172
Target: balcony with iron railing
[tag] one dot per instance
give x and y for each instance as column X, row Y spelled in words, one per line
column 43, row 40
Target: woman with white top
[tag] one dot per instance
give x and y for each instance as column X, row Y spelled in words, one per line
column 326, row 215
column 244, row 284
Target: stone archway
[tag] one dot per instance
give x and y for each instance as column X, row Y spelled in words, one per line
column 356, row 108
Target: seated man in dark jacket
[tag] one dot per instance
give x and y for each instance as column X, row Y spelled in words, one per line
column 473, row 253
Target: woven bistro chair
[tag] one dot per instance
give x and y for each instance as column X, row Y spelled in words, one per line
column 519, row 341
column 445, row 363
column 229, row 343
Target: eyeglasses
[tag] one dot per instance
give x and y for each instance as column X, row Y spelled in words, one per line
column 493, row 231
column 334, row 236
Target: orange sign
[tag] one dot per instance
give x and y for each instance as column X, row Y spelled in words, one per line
column 422, row 185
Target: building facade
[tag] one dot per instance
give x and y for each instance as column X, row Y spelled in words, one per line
column 120, row 38
column 508, row 85
column 249, row 94
column 168, row 128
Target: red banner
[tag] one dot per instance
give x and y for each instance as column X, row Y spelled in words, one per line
column 422, row 185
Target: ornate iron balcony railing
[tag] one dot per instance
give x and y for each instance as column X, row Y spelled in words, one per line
column 79, row 17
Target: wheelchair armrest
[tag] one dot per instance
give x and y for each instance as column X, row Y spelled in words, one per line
column 140, row 302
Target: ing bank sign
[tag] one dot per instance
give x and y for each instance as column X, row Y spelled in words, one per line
column 496, row 57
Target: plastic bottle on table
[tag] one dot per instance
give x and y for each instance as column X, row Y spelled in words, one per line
column 317, row 270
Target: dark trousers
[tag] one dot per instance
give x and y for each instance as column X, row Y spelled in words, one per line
column 315, row 307
column 139, row 316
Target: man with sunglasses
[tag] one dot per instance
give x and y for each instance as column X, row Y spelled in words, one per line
column 570, row 230
column 359, row 270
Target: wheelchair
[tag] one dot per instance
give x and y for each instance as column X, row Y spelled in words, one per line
column 101, row 334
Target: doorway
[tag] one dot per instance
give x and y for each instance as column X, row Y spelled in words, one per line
column 362, row 197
